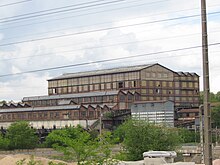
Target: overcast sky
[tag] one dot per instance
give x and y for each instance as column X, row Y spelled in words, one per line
column 27, row 41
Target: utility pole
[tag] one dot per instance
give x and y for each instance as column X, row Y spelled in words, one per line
column 206, row 102
column 201, row 132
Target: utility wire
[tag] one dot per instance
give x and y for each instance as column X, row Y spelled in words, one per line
column 106, row 60
column 103, row 46
column 55, row 12
column 104, row 29
column 109, row 38
column 155, row 60
column 79, row 15
column 103, row 23
column 15, row 3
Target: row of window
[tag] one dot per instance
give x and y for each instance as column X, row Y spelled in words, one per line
column 49, row 115
column 92, row 87
column 169, row 92
column 169, row 84
column 95, row 99
column 176, row 99
column 94, row 79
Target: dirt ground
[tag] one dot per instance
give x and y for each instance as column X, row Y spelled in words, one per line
column 12, row 159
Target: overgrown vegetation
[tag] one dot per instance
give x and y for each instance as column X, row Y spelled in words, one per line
column 85, row 147
column 78, row 145
column 19, row 136
column 139, row 136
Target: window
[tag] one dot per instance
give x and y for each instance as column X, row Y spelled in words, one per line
column 76, row 114
column 102, row 86
column 130, row 97
column 64, row 90
column 54, row 90
column 177, row 85
column 57, row 114
column 97, row 87
column 143, row 91
column 151, row 91
column 164, row 84
column 170, row 84
column 80, row 88
column 120, row 85
column 87, row 99
column 122, row 98
column 85, row 88
column 157, row 91
column 91, row 114
column 108, row 86
column 111, row 98
column 99, row 98
column 134, row 84
column 69, row 90
column 143, row 83
column 74, row 89
column 151, row 83
column 83, row 113
column 91, row 87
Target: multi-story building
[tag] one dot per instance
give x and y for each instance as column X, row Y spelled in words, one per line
column 152, row 82
column 110, row 89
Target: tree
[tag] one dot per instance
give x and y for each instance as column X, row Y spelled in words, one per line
column 216, row 116
column 188, row 136
column 4, row 143
column 78, row 145
column 21, row 136
column 140, row 136
column 75, row 143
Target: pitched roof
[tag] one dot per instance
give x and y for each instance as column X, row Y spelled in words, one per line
column 103, row 71
column 48, row 108
column 69, row 96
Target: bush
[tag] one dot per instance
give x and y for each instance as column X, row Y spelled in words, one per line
column 140, row 136
column 21, row 136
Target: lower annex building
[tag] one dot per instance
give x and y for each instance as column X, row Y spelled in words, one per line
column 81, row 98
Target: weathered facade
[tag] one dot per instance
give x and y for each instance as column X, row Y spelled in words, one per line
column 160, row 112
column 84, row 96
column 152, row 82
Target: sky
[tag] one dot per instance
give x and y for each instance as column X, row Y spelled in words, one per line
column 40, row 34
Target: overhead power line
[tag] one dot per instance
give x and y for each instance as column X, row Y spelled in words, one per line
column 103, row 29
column 105, row 60
column 80, row 27
column 20, row 17
column 102, row 46
column 90, row 13
column 15, row 3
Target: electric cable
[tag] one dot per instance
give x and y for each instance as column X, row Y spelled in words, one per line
column 105, row 60
column 14, row 3
column 104, row 29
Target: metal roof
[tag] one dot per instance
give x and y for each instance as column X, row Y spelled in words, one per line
column 70, row 96
column 49, row 108
column 103, row 71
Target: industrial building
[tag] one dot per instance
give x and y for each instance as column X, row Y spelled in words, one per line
column 159, row 112
column 74, row 97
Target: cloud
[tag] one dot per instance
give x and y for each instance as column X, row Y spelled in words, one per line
column 90, row 47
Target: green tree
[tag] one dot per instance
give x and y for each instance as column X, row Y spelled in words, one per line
column 78, row 145
column 140, row 136
column 21, row 136
column 216, row 116
column 188, row 136
column 4, row 143
column 75, row 143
